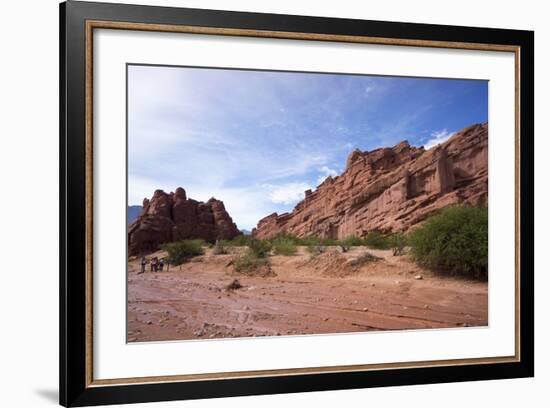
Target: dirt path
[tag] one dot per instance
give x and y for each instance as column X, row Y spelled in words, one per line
column 325, row 295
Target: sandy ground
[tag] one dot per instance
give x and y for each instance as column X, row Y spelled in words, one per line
column 327, row 294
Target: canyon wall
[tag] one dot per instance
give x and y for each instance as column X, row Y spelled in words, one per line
column 390, row 189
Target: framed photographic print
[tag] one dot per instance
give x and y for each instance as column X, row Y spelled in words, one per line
column 256, row 203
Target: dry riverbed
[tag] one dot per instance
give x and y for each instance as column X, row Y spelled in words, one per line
column 332, row 293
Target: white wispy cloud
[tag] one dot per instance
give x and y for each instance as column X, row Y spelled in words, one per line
column 289, row 193
column 326, row 172
column 369, row 89
column 438, row 137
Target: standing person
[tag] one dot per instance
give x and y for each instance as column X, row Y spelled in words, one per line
column 154, row 264
column 143, row 263
column 161, row 264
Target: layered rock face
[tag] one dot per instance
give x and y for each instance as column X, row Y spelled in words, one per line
column 173, row 217
column 390, row 189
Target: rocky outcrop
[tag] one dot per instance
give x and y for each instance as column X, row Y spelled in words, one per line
column 173, row 217
column 390, row 189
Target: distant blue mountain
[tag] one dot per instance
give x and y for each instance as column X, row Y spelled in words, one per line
column 246, row 232
column 133, row 212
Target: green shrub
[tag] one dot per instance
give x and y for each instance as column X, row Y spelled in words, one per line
column 377, row 240
column 313, row 240
column 239, row 240
column 179, row 252
column 310, row 241
column 288, row 238
column 284, row 246
column 249, row 261
column 260, row 248
column 454, row 242
column 352, row 241
column 397, row 242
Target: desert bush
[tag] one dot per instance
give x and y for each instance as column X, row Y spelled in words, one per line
column 347, row 243
column 284, row 246
column 313, row 240
column 352, row 241
column 377, row 240
column 397, row 242
column 180, row 251
column 287, row 237
column 239, row 240
column 453, row 242
column 219, row 248
column 260, row 248
column 310, row 241
column 249, row 261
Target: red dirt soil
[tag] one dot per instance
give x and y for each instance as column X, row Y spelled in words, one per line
column 326, row 294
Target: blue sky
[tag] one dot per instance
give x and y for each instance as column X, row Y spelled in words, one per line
column 257, row 140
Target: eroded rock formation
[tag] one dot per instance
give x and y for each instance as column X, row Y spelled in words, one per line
column 390, row 189
column 173, row 217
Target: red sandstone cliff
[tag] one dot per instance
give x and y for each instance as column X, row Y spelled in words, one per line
column 390, row 189
column 173, row 217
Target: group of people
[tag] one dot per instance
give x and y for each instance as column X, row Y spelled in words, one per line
column 157, row 265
